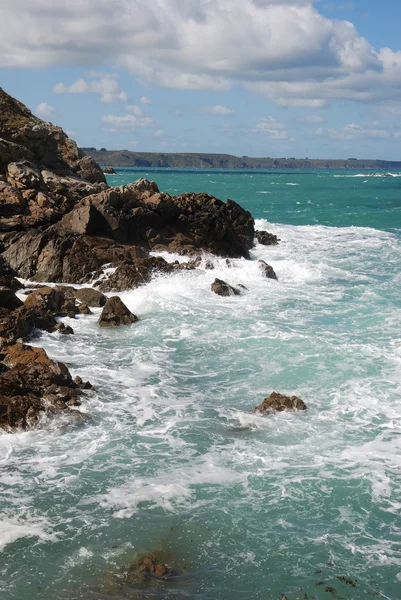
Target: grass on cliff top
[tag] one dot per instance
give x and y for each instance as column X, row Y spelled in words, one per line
column 13, row 114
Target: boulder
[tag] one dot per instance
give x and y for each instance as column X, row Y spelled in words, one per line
column 9, row 300
column 84, row 309
column 115, row 313
column 279, row 402
column 109, row 171
column 266, row 270
column 31, row 385
column 22, row 322
column 221, row 288
column 90, row 297
column 267, row 239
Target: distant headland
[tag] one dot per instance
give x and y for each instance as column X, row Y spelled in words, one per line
column 195, row 160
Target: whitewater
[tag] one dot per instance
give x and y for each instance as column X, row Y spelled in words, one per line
column 170, row 457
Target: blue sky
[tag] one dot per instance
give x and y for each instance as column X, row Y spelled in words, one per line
column 247, row 77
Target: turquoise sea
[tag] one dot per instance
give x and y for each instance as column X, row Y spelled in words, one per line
column 171, row 460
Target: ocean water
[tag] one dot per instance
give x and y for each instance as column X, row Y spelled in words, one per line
column 170, row 459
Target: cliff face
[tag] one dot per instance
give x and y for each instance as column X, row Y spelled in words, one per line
column 59, row 221
column 181, row 160
column 42, row 171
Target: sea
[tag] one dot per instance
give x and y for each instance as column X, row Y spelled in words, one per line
column 170, row 459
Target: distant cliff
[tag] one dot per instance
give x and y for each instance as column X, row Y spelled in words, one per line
column 126, row 158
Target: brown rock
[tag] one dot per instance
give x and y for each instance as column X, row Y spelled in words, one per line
column 115, row 313
column 279, row 402
column 132, row 274
column 267, row 239
column 84, row 309
column 30, row 385
column 266, row 270
column 221, row 288
column 90, row 297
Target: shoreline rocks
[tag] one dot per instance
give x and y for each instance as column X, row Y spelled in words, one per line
column 221, row 288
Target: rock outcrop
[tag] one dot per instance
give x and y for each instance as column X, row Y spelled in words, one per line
column 115, row 313
column 31, row 385
column 279, row 402
column 109, row 171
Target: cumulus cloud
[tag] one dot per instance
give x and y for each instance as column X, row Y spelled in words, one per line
column 145, row 100
column 217, row 110
column 284, row 49
column 127, row 122
column 271, row 128
column 105, row 85
column 137, row 110
column 45, row 111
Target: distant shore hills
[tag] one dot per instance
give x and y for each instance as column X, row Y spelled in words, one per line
column 195, row 160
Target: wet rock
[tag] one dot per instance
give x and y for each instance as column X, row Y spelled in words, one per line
column 64, row 329
column 84, row 309
column 90, row 297
column 31, row 385
column 132, row 274
column 279, row 402
column 9, row 300
column 149, row 565
column 115, row 313
column 221, row 288
column 109, row 171
column 266, row 238
column 266, row 270
column 22, row 322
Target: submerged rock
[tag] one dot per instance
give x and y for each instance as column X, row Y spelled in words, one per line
column 221, row 288
column 279, row 402
column 115, row 313
column 266, row 270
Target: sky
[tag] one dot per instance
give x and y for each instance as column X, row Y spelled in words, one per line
column 278, row 78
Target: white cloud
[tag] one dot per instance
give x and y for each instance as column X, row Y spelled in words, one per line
column 284, row 49
column 45, row 111
column 159, row 133
column 137, row 110
column 145, row 100
column 217, row 109
column 271, row 128
column 127, row 122
column 105, row 85
column 353, row 131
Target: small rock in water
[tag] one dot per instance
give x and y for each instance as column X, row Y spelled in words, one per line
column 267, row 239
column 279, row 402
column 90, row 297
column 115, row 313
column 266, row 270
column 221, row 288
column 64, row 329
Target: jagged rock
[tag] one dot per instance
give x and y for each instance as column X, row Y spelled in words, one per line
column 109, row 171
column 130, row 275
column 151, row 565
column 9, row 300
column 90, row 297
column 22, row 322
column 279, row 402
column 221, row 288
column 266, row 238
column 266, row 270
column 52, row 300
column 30, row 385
column 115, row 313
